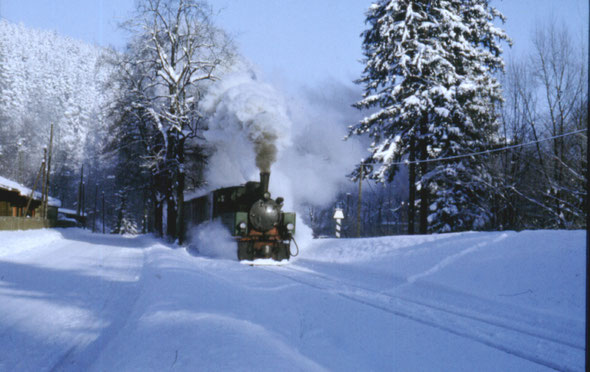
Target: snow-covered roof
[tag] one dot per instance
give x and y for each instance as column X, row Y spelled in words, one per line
column 190, row 195
column 70, row 211
column 24, row 191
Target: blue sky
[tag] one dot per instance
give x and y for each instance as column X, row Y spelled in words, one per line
column 294, row 42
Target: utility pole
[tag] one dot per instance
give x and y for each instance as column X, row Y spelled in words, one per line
column 33, row 191
column 348, row 215
column 44, row 184
column 412, row 187
column 47, row 183
column 79, row 207
column 20, row 177
column 103, row 211
column 358, row 207
column 84, row 204
column 95, row 208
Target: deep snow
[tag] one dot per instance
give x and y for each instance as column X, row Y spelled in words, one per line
column 503, row 301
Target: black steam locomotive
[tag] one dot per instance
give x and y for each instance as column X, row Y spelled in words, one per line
column 261, row 228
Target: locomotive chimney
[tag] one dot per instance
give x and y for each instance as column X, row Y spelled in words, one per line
column 264, row 179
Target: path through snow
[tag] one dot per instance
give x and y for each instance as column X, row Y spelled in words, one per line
column 71, row 300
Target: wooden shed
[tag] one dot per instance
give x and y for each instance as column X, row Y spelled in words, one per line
column 13, row 207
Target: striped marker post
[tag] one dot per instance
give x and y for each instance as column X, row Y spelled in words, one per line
column 338, row 216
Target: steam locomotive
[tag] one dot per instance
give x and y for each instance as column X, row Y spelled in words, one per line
column 260, row 227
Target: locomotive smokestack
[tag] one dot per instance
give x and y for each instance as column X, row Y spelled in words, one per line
column 264, row 180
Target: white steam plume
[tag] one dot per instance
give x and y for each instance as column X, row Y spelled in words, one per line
column 251, row 125
column 248, row 114
column 212, row 239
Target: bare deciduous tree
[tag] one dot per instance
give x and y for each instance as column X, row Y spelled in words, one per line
column 178, row 51
column 546, row 96
column 560, row 69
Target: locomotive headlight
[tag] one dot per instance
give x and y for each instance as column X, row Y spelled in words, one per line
column 242, row 225
column 290, row 226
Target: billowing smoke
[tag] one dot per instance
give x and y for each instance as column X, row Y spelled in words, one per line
column 266, row 150
column 253, row 127
column 242, row 108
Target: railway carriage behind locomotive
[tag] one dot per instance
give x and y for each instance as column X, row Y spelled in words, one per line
column 256, row 221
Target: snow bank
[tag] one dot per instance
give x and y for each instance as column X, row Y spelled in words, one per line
column 531, row 268
column 16, row 242
column 468, row 301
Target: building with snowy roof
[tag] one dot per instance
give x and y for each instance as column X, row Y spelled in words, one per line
column 14, row 213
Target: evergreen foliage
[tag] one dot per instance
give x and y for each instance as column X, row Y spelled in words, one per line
column 125, row 222
column 429, row 76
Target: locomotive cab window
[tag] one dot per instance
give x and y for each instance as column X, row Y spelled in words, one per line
column 228, row 200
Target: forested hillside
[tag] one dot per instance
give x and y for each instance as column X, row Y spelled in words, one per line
column 481, row 144
column 45, row 79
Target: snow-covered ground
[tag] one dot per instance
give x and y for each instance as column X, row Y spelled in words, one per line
column 504, row 301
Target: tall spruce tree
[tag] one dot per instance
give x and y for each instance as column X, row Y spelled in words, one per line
column 429, row 76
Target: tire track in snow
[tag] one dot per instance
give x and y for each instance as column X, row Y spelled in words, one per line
column 454, row 257
column 504, row 336
column 82, row 357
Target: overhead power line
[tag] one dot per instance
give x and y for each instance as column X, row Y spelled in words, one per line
column 406, row 162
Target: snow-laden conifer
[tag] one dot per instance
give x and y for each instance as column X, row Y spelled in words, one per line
column 429, row 79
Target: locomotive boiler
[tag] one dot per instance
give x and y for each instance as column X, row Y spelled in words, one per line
column 256, row 221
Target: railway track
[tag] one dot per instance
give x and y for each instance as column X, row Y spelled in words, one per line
column 514, row 332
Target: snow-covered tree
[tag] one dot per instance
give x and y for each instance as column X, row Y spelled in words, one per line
column 178, row 51
column 125, row 223
column 429, row 74
column 135, row 146
column 45, row 79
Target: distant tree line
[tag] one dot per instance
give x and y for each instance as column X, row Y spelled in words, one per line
column 49, row 79
column 435, row 88
column 130, row 119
